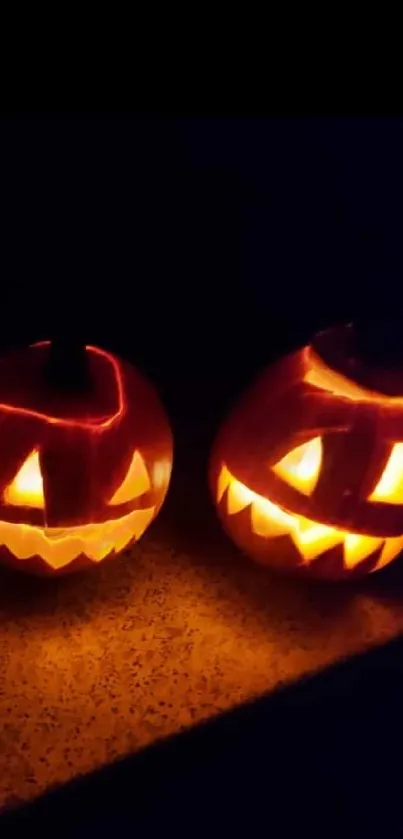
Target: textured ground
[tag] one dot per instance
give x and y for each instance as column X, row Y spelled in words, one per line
column 96, row 666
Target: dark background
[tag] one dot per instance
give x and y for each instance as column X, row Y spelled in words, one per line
column 201, row 248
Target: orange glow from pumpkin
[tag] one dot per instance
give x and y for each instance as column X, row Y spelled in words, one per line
column 310, row 538
column 26, row 489
column 135, row 483
column 162, row 473
column 95, row 412
column 389, row 488
column 324, row 378
column 301, row 466
column 60, row 546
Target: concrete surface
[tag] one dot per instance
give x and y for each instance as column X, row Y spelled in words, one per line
column 181, row 627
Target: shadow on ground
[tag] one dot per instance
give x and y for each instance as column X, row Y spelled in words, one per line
column 320, row 758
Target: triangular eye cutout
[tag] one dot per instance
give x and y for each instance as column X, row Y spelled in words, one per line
column 389, row 488
column 26, row 489
column 135, row 483
column 301, row 466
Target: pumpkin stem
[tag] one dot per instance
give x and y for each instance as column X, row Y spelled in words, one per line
column 380, row 340
column 67, row 366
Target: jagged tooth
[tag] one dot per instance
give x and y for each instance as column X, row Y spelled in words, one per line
column 22, row 544
column 268, row 520
column 238, row 497
column 391, row 548
column 32, row 544
column 60, row 552
column 99, row 550
column 98, row 539
column 122, row 539
column 116, row 535
column 99, row 542
column 224, row 479
column 139, row 521
column 357, row 547
column 313, row 539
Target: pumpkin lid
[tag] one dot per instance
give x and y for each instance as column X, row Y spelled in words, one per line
column 370, row 354
column 25, row 387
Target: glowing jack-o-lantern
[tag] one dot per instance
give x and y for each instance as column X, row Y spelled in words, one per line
column 81, row 474
column 307, row 472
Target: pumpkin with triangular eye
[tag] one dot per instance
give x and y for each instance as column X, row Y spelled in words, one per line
column 82, row 474
column 307, row 472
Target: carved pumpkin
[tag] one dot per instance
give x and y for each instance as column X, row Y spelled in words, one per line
column 81, row 474
column 307, row 472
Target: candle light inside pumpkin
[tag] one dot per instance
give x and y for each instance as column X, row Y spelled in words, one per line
column 82, row 472
column 307, row 472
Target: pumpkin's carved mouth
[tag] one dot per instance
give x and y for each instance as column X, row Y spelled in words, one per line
column 60, row 546
column 311, row 538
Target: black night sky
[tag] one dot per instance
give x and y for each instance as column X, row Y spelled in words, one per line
column 198, row 246
column 202, row 248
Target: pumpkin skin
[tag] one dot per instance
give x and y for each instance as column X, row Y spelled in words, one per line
column 307, row 472
column 81, row 474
